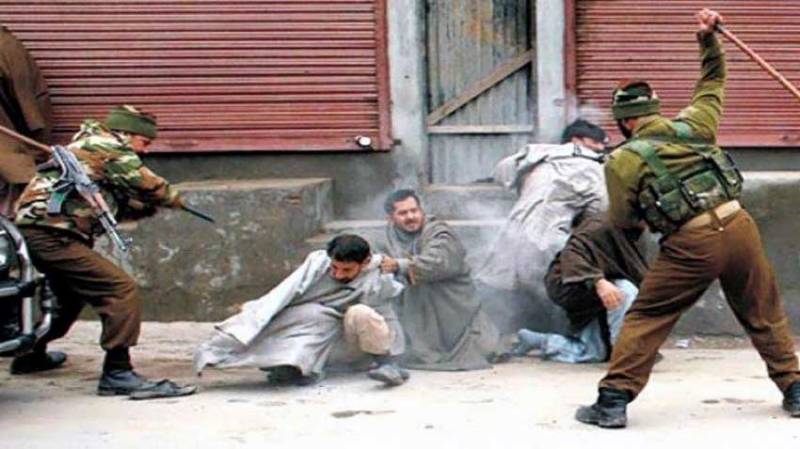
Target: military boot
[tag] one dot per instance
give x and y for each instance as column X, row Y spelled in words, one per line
column 609, row 411
column 37, row 361
column 791, row 400
column 121, row 382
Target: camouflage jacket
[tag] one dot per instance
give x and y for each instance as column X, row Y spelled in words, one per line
column 124, row 182
column 626, row 170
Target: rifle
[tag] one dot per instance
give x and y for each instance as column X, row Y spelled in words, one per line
column 74, row 176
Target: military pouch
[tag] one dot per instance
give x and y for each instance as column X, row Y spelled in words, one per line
column 703, row 190
column 664, row 207
column 726, row 169
column 671, row 199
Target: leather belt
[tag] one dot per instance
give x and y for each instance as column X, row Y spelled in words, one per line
column 714, row 215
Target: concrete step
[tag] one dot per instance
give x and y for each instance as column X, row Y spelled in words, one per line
column 471, row 201
column 189, row 269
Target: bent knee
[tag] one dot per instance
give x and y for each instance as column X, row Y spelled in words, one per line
column 360, row 315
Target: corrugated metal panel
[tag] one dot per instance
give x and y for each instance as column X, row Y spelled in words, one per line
column 654, row 40
column 467, row 40
column 220, row 75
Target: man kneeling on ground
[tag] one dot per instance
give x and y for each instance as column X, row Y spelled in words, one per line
column 336, row 297
column 594, row 279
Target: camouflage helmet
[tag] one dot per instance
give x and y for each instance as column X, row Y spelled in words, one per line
column 634, row 99
column 128, row 119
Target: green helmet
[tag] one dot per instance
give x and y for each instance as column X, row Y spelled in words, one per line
column 128, row 119
column 634, row 99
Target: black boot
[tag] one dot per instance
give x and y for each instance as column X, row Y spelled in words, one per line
column 37, row 361
column 609, row 411
column 388, row 372
column 121, row 382
column 791, row 400
column 118, row 376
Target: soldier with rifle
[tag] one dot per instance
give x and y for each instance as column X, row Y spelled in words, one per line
column 75, row 197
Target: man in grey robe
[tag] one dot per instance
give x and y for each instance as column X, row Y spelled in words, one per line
column 555, row 184
column 336, row 301
column 440, row 312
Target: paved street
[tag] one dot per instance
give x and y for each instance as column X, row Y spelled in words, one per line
column 713, row 394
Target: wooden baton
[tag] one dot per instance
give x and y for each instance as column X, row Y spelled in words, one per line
column 759, row 60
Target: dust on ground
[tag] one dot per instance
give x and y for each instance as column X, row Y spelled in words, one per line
column 707, row 391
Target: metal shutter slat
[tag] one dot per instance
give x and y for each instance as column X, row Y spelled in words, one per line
column 654, row 40
column 234, row 75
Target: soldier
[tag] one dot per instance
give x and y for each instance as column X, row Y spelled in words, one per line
column 24, row 107
column 61, row 246
column 671, row 174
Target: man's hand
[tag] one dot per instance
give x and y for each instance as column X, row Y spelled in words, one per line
column 611, row 296
column 707, row 20
column 389, row 265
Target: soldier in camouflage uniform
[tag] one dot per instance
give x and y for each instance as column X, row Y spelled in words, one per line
column 61, row 245
column 671, row 174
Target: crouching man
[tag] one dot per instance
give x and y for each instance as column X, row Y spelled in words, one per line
column 594, row 279
column 335, row 298
column 440, row 311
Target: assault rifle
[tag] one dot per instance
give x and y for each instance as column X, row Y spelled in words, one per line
column 74, row 176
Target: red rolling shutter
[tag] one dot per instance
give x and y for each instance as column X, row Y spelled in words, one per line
column 220, row 75
column 654, row 40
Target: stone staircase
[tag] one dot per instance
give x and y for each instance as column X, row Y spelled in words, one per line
column 188, row 269
column 476, row 213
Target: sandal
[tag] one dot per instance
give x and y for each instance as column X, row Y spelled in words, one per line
column 163, row 389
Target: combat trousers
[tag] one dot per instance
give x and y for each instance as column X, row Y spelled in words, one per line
column 688, row 262
column 79, row 275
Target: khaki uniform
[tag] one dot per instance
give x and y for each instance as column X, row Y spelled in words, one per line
column 725, row 247
column 24, row 108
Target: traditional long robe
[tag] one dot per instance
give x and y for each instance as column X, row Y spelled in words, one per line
column 440, row 312
column 299, row 322
column 555, row 184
